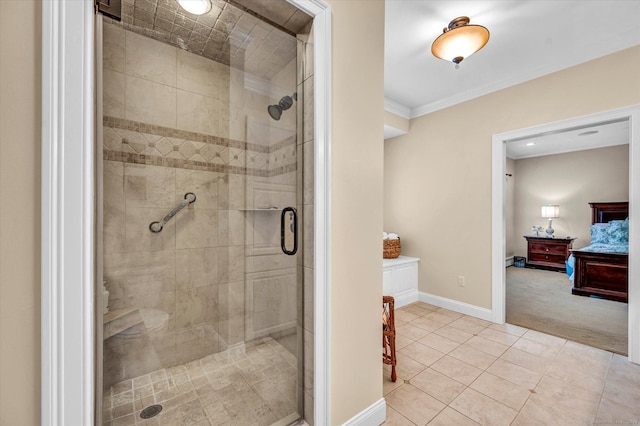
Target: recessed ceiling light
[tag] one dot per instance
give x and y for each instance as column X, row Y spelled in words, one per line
column 588, row 132
column 195, row 7
column 530, row 144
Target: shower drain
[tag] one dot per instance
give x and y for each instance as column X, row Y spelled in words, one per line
column 151, row 411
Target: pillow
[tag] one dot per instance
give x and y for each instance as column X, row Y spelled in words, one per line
column 599, row 233
column 618, row 232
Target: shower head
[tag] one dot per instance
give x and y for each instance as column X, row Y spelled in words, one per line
column 275, row 111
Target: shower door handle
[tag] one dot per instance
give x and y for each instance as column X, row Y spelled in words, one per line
column 293, row 217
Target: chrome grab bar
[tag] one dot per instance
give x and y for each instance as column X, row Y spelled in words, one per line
column 156, row 227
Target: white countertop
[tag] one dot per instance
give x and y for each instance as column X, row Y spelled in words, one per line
column 400, row 260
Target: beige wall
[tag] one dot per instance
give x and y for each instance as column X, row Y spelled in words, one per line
column 438, row 177
column 396, row 121
column 571, row 180
column 20, row 102
column 356, row 204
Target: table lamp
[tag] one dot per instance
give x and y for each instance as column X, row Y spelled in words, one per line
column 550, row 212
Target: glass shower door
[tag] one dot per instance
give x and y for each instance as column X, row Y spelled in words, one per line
column 204, row 311
column 264, row 201
column 271, row 297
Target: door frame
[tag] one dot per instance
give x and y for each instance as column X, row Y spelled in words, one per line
column 630, row 113
column 68, row 195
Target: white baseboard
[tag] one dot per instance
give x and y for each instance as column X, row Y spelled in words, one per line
column 456, row 306
column 374, row 415
column 508, row 261
column 406, row 298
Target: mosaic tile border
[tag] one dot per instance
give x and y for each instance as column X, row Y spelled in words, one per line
column 133, row 158
column 133, row 142
column 136, row 126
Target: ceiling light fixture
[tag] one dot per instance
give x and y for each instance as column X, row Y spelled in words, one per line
column 459, row 40
column 195, row 7
column 588, row 132
column 530, row 144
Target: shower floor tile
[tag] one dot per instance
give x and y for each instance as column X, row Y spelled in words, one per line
column 250, row 385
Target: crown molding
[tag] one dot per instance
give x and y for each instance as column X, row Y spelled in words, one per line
column 397, row 109
column 543, row 70
column 469, row 95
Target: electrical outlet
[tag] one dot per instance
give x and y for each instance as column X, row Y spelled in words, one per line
column 460, row 281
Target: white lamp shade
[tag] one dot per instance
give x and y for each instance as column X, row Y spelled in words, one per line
column 196, row 7
column 550, row 211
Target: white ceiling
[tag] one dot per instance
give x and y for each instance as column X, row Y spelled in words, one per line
column 528, row 39
column 569, row 140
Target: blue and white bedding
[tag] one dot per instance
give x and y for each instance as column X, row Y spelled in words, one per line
column 607, row 248
column 612, row 237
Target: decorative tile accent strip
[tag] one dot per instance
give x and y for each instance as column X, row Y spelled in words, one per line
column 136, row 126
column 128, row 157
column 140, row 143
column 282, row 144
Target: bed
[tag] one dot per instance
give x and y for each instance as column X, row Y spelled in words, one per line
column 601, row 269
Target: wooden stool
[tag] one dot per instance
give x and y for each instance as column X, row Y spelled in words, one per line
column 389, row 334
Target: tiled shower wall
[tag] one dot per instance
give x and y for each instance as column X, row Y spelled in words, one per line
column 175, row 122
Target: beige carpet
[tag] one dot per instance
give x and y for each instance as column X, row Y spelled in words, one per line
column 542, row 301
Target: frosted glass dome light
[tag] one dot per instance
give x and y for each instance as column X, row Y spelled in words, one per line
column 195, row 7
column 459, row 40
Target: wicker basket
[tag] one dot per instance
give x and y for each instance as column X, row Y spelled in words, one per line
column 390, row 249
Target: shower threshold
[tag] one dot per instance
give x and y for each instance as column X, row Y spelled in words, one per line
column 252, row 384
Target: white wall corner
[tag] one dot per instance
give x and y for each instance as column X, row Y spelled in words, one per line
column 321, row 12
column 456, row 306
column 374, row 415
column 68, row 228
column 498, row 226
column 392, row 132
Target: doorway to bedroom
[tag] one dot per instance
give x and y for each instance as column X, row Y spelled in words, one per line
column 568, row 169
column 527, row 184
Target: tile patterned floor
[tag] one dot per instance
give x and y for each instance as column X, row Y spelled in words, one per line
column 252, row 385
column 458, row 370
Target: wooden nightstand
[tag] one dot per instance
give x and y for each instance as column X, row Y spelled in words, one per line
column 548, row 253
